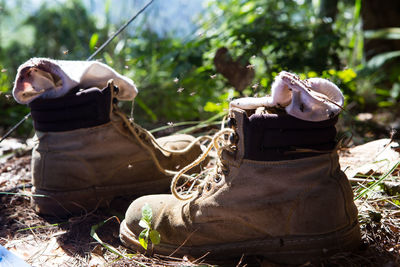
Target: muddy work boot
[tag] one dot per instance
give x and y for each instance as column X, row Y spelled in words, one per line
column 88, row 152
column 276, row 191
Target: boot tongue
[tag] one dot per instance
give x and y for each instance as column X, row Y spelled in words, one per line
column 274, row 137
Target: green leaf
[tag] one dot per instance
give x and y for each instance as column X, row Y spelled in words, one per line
column 247, row 7
column 155, row 237
column 264, row 82
column 144, row 224
column 107, row 6
column 147, row 213
column 386, row 33
column 108, row 58
column 382, row 92
column 346, row 75
column 119, row 47
column 93, row 41
column 213, row 107
column 144, row 238
column 385, row 104
column 94, row 235
column 395, row 92
column 380, row 59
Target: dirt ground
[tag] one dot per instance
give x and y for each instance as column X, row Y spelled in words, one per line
column 42, row 241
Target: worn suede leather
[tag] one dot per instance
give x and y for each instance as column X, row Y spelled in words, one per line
column 289, row 211
column 79, row 170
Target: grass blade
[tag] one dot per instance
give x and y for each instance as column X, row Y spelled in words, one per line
column 380, row 180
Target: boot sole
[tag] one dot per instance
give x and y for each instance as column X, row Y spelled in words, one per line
column 285, row 250
column 67, row 203
column 79, row 202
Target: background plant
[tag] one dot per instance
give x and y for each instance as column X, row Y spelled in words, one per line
column 175, row 73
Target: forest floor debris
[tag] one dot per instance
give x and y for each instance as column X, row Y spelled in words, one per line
column 42, row 241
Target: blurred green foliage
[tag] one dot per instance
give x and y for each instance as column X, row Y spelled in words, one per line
column 176, row 76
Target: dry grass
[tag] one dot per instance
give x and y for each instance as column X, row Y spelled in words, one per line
column 44, row 241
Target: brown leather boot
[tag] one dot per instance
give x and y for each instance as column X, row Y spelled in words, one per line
column 277, row 191
column 88, row 153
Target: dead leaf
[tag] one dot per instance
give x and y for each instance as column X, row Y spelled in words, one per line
column 376, row 157
column 96, row 260
column 236, row 71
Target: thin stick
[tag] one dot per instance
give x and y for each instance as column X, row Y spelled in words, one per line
column 15, row 127
column 119, row 31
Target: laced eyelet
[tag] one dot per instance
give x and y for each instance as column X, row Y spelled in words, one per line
column 206, row 179
column 208, row 186
column 231, row 122
column 217, row 179
column 232, row 138
column 225, row 171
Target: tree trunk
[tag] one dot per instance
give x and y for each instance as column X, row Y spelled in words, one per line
column 325, row 40
column 379, row 14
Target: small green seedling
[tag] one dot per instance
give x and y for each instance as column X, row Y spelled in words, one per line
column 148, row 232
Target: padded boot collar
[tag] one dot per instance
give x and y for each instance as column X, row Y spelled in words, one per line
column 78, row 109
column 272, row 137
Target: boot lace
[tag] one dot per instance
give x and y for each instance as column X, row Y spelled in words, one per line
column 148, row 141
column 186, row 190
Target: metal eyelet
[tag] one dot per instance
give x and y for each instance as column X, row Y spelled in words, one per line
column 231, row 122
column 115, row 100
column 208, row 186
column 217, row 179
column 226, row 171
column 232, row 138
column 116, row 89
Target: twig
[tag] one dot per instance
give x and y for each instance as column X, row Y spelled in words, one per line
column 119, row 31
column 15, row 127
column 21, row 186
column 203, row 123
column 183, row 243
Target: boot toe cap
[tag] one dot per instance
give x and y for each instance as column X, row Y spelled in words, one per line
column 130, row 228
